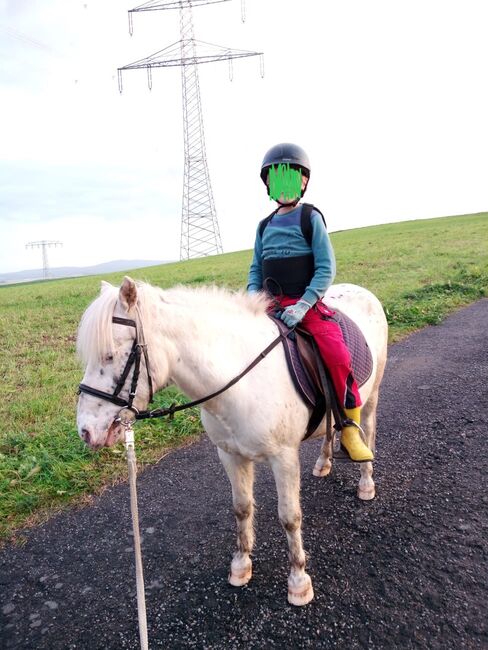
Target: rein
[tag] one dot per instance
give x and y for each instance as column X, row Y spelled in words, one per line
column 171, row 410
column 139, row 347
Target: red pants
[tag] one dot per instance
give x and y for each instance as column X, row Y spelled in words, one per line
column 328, row 337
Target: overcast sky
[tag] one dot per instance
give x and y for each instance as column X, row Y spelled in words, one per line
column 388, row 97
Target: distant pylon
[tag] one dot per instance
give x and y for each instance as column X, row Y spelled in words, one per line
column 200, row 234
column 44, row 245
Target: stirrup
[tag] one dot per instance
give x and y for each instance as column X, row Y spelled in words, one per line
column 341, row 455
column 347, row 422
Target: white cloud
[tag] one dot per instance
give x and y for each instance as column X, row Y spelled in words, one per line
column 388, row 98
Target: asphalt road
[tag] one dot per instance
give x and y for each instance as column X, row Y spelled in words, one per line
column 407, row 570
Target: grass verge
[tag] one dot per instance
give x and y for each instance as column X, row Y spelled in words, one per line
column 420, row 270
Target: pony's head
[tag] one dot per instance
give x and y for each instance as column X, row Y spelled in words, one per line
column 104, row 347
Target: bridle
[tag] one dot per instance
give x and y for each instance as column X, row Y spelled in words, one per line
column 138, row 349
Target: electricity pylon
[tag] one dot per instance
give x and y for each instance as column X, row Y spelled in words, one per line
column 44, row 245
column 200, row 233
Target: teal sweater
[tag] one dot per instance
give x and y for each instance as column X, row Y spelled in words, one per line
column 283, row 238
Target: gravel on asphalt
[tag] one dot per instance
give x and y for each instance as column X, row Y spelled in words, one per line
column 407, row 570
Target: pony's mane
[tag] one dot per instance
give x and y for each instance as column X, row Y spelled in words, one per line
column 220, row 298
column 95, row 333
column 95, row 337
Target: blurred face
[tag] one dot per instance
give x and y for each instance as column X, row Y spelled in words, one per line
column 285, row 183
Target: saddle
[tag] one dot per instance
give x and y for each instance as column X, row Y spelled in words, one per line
column 310, row 376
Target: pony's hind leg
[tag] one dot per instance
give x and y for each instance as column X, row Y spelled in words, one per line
column 323, row 464
column 240, row 471
column 366, row 489
column 286, row 470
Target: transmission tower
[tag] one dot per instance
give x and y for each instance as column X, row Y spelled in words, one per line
column 44, row 245
column 200, row 233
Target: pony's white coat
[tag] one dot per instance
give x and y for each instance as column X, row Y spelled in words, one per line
column 199, row 339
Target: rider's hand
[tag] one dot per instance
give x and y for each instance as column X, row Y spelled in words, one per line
column 293, row 314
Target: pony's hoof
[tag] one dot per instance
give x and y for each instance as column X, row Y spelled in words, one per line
column 240, row 577
column 321, row 471
column 300, row 594
column 366, row 494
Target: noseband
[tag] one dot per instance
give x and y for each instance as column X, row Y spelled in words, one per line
column 139, row 348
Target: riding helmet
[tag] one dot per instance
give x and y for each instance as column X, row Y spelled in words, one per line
column 285, row 153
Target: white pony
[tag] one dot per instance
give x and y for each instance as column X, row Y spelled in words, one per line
column 200, row 339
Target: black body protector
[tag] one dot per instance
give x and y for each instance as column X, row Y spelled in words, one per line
column 290, row 276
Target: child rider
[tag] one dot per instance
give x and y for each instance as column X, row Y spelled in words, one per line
column 300, row 273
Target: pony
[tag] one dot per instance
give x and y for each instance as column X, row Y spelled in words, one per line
column 200, row 339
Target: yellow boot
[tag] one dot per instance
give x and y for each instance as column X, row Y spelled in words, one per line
column 351, row 438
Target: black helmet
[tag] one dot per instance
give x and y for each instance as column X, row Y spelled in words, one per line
column 285, row 153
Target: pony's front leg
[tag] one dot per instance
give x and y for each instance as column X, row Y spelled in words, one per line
column 240, row 471
column 286, row 470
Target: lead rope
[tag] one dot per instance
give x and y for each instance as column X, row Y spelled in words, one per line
column 141, row 600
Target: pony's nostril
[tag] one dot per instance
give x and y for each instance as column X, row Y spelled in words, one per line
column 85, row 434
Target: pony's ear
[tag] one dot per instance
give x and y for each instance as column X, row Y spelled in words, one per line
column 128, row 293
column 104, row 286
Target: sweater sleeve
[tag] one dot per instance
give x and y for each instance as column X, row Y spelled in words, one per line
column 324, row 260
column 255, row 277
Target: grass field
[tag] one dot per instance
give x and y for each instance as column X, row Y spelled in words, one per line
column 420, row 270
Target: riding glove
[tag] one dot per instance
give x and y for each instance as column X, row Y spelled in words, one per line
column 293, row 314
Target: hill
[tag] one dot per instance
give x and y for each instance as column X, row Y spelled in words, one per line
column 76, row 271
column 420, row 270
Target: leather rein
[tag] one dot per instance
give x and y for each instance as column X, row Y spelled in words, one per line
column 139, row 348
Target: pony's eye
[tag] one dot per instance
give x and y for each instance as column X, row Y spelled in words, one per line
column 109, row 358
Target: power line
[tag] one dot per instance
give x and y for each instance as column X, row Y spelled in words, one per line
column 200, row 233
column 44, row 244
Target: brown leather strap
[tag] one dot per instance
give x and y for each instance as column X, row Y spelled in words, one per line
column 158, row 413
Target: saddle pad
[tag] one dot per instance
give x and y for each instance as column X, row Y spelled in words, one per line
column 361, row 358
column 298, row 374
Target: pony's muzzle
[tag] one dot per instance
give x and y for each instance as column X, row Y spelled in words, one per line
column 87, row 437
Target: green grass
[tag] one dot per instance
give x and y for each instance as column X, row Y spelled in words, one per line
column 420, row 270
